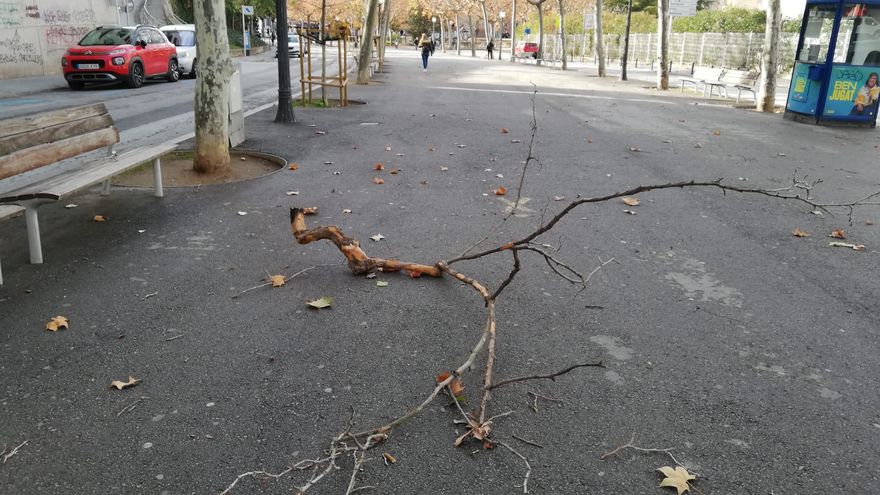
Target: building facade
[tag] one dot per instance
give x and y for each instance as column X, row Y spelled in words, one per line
column 34, row 34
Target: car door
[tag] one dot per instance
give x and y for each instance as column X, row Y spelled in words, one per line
column 142, row 37
column 162, row 51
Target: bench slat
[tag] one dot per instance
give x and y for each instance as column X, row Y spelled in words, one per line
column 23, row 140
column 29, row 123
column 63, row 184
column 45, row 154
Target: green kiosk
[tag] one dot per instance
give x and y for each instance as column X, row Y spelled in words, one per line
column 835, row 76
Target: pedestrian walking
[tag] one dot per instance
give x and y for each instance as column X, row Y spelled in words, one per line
column 425, row 45
column 273, row 38
column 489, row 48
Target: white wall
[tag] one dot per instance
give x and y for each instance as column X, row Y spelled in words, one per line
column 35, row 33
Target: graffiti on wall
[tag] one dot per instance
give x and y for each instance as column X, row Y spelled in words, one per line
column 10, row 15
column 15, row 51
column 62, row 15
column 64, row 36
column 32, row 11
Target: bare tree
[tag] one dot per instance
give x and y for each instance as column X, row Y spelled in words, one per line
column 512, row 31
column 600, row 43
column 212, row 88
column 562, row 32
column 539, row 4
column 663, row 44
column 767, row 96
column 363, row 76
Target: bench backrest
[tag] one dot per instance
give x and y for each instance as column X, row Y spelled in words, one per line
column 707, row 74
column 40, row 139
column 742, row 77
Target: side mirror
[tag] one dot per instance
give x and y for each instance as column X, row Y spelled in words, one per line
column 141, row 43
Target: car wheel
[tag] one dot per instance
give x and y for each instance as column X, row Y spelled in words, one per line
column 135, row 77
column 192, row 72
column 76, row 84
column 173, row 71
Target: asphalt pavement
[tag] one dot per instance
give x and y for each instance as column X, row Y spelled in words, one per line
column 748, row 351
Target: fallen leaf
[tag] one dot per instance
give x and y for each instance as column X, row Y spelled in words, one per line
column 501, row 191
column 444, row 169
column 388, row 148
column 856, row 247
column 323, row 302
column 292, row 193
column 630, row 201
column 379, row 167
column 456, row 387
column 276, row 280
column 346, row 210
column 394, row 171
column 310, row 210
column 716, row 133
column 558, row 198
column 430, row 147
column 487, row 445
column 377, row 180
column 838, row 234
column 503, row 130
column 293, row 166
column 377, row 237
column 120, row 385
column 800, row 233
column 242, row 213
column 634, row 149
column 381, row 283
column 443, row 376
column 389, row 459
column 57, row 323
column 589, row 141
column 99, row 218
column 869, row 222
column 71, row 205
column 676, row 478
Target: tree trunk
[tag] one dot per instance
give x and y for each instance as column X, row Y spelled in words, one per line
column 600, row 42
column 623, row 60
column 212, row 88
column 767, row 96
column 457, row 36
column 512, row 31
column 663, row 44
column 485, row 21
column 473, row 38
column 366, row 53
column 386, row 18
column 562, row 32
column 442, row 34
column 540, row 7
column 323, row 36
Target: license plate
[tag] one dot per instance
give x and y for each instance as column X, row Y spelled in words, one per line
column 88, row 66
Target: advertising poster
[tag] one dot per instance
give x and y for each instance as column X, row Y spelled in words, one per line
column 803, row 95
column 853, row 93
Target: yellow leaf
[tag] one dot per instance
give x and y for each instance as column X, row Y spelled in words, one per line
column 100, row 218
column 676, row 478
column 120, row 385
column 630, row 201
column 389, row 459
column 800, row 233
column 324, row 302
column 57, row 323
column 277, row 280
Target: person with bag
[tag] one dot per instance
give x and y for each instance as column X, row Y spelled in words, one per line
column 427, row 47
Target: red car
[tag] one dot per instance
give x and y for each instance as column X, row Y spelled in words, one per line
column 525, row 50
column 128, row 54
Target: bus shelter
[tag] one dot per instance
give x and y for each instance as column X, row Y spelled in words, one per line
column 835, row 75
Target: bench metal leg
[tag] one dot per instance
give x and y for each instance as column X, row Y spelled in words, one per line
column 1, row 275
column 105, row 187
column 157, row 178
column 33, row 231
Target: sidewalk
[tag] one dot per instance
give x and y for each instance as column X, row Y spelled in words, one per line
column 723, row 334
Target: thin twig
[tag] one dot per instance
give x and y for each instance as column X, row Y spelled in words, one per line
column 551, row 376
column 175, row 337
column 631, row 445
column 358, row 461
column 150, row 295
column 286, row 279
column 525, row 483
column 529, row 442
column 131, row 406
column 14, row 451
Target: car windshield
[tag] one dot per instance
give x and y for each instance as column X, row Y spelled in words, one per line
column 181, row 38
column 107, row 37
column 292, row 38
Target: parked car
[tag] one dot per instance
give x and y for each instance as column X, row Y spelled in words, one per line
column 525, row 50
column 183, row 37
column 293, row 49
column 127, row 54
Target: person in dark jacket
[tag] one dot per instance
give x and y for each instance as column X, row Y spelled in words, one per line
column 490, row 48
column 427, row 47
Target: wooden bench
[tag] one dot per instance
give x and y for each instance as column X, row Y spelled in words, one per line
column 43, row 139
column 740, row 80
column 709, row 77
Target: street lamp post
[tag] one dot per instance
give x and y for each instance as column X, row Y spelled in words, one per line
column 433, row 20
column 284, row 114
column 501, row 35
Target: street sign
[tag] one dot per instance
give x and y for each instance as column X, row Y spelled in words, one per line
column 249, row 9
column 589, row 21
column 528, row 30
column 682, row 8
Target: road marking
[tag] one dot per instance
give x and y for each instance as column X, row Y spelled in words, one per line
column 568, row 95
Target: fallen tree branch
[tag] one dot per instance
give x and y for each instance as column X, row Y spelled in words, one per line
column 631, row 445
column 551, row 376
column 7, row 456
column 525, row 483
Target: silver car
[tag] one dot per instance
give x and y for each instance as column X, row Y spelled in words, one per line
column 184, row 38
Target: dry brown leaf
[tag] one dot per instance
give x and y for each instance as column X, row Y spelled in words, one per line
column 394, row 171
column 293, row 166
column 430, row 147
column 57, row 323
column 442, row 377
column 869, row 222
column 501, row 191
column 389, row 459
column 100, row 218
column 120, row 385
column 378, row 167
column 716, row 133
column 377, row 180
column 277, row 280
column 310, row 210
column 838, row 234
column 503, row 130
column 630, row 201
column 456, row 387
column 487, row 445
column 800, row 233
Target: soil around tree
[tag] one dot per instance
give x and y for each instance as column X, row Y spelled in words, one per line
column 177, row 170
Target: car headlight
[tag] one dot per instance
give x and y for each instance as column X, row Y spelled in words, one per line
column 118, row 60
column 64, row 62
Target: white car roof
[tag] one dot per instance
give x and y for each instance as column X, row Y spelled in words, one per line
column 179, row 27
